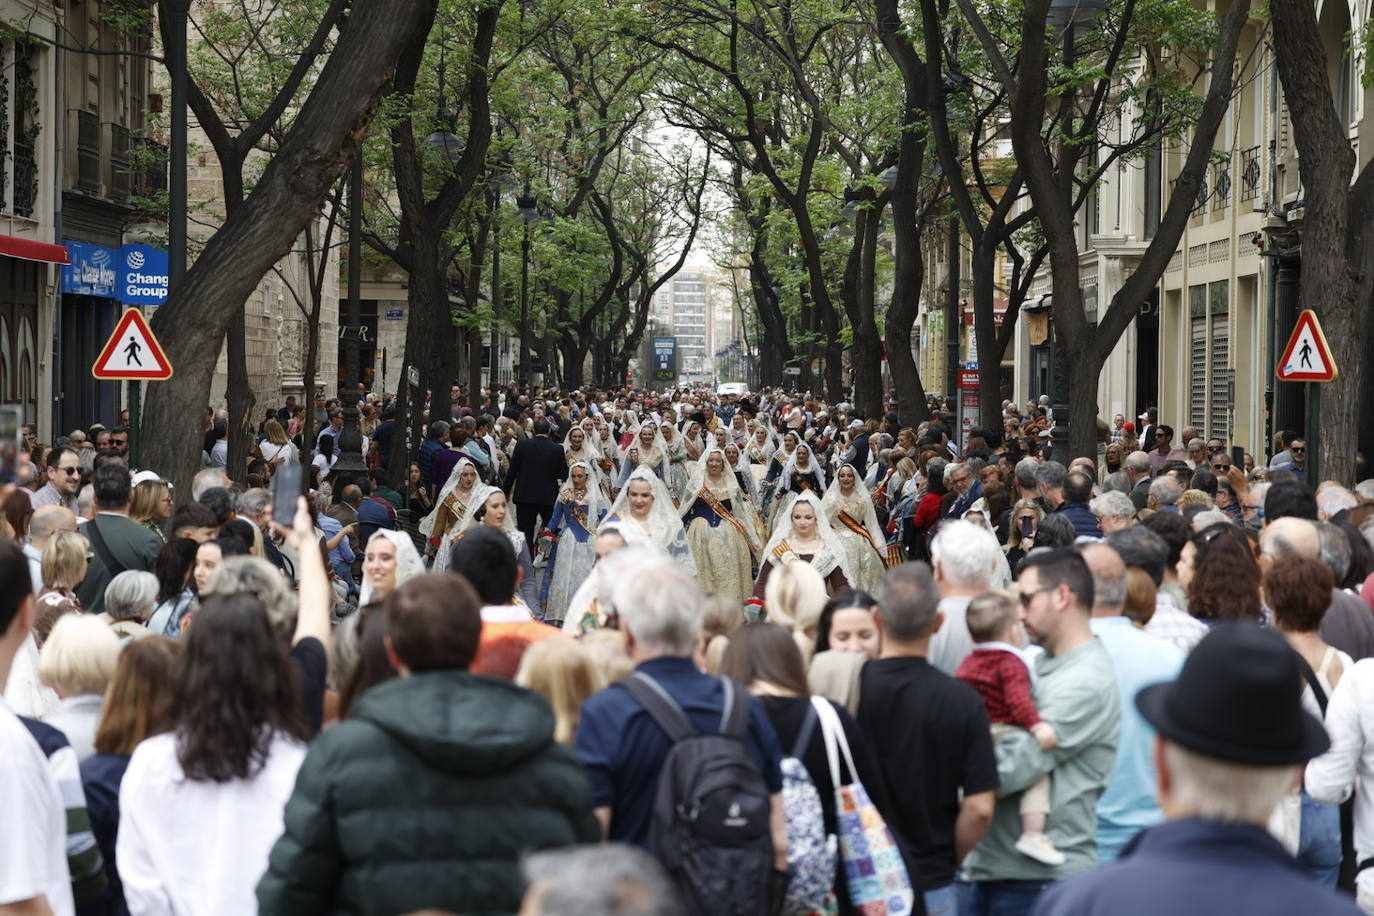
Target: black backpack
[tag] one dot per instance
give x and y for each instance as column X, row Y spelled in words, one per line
column 710, row 827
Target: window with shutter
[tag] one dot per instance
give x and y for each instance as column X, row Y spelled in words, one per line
column 1197, row 357
column 1218, row 375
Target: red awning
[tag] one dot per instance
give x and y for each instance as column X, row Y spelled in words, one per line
column 29, row 250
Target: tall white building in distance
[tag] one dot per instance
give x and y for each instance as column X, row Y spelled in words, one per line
column 695, row 307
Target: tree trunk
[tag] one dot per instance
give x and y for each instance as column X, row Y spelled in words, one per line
column 982, row 265
column 1337, row 228
column 865, row 356
column 1083, row 370
column 241, row 399
column 321, row 143
column 908, row 269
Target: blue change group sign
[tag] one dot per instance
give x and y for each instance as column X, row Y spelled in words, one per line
column 665, row 359
column 133, row 274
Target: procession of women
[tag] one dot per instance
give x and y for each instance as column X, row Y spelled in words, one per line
column 729, row 495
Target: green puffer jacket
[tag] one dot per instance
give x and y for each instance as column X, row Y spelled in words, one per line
column 427, row 797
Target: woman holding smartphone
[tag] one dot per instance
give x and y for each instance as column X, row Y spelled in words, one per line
column 1025, row 521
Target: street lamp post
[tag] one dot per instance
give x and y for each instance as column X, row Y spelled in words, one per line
column 350, row 463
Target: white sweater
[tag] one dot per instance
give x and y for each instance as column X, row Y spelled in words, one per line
column 1332, row 777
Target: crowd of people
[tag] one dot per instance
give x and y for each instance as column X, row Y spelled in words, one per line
column 633, row 652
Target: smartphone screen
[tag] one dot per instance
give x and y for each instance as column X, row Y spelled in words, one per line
column 1238, row 457
column 286, row 488
column 1025, row 524
column 11, row 431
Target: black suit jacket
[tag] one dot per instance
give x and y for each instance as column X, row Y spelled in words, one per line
column 536, row 470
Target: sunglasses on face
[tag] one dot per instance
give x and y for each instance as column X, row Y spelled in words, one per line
column 1298, row 449
column 1221, row 466
column 1161, row 435
column 70, row 471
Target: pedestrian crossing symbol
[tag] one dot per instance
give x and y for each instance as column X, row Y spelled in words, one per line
column 132, row 353
column 1307, row 358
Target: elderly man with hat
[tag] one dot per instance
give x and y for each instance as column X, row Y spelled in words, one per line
column 1232, row 741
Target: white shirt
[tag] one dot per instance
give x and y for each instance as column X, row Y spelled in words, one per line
column 1350, row 761
column 33, row 830
column 199, row 847
column 952, row 643
column 506, row 613
column 219, row 453
column 35, row 557
column 271, row 452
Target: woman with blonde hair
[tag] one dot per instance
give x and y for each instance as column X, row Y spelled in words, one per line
column 139, row 704
column 721, row 616
column 794, row 598
column 564, row 673
column 276, row 448
column 64, row 566
column 152, row 506
column 78, row 660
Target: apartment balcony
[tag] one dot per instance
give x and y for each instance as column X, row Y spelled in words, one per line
column 25, row 180
column 1250, row 174
column 88, row 152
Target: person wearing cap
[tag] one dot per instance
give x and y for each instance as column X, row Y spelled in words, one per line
column 1075, row 692
column 1232, row 741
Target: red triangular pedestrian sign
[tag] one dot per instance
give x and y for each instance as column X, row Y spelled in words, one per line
column 1307, row 358
column 132, row 353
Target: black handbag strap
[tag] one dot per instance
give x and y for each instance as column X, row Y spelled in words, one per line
column 1311, row 677
column 102, row 549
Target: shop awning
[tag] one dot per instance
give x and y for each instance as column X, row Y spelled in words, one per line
column 28, row 250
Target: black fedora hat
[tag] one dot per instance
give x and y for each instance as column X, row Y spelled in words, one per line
column 1238, row 698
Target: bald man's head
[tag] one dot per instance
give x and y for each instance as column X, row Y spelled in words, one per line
column 1289, row 535
column 1109, row 579
column 45, row 521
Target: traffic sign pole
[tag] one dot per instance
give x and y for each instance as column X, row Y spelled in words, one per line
column 135, row 405
column 1314, row 413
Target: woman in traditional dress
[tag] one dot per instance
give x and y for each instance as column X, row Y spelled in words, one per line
column 804, row 534
column 801, row 474
column 441, row 526
column 608, row 460
column 389, row 561
column 488, row 507
column 739, row 430
column 679, row 472
column 734, row 460
column 576, row 515
column 629, row 428
column 723, row 543
column 851, row 513
column 643, row 513
column 692, row 439
column 646, row 451
column 760, row 451
column 579, row 447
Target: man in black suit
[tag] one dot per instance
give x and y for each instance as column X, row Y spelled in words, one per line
column 536, row 470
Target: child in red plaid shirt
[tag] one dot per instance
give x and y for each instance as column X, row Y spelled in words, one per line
column 1002, row 677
